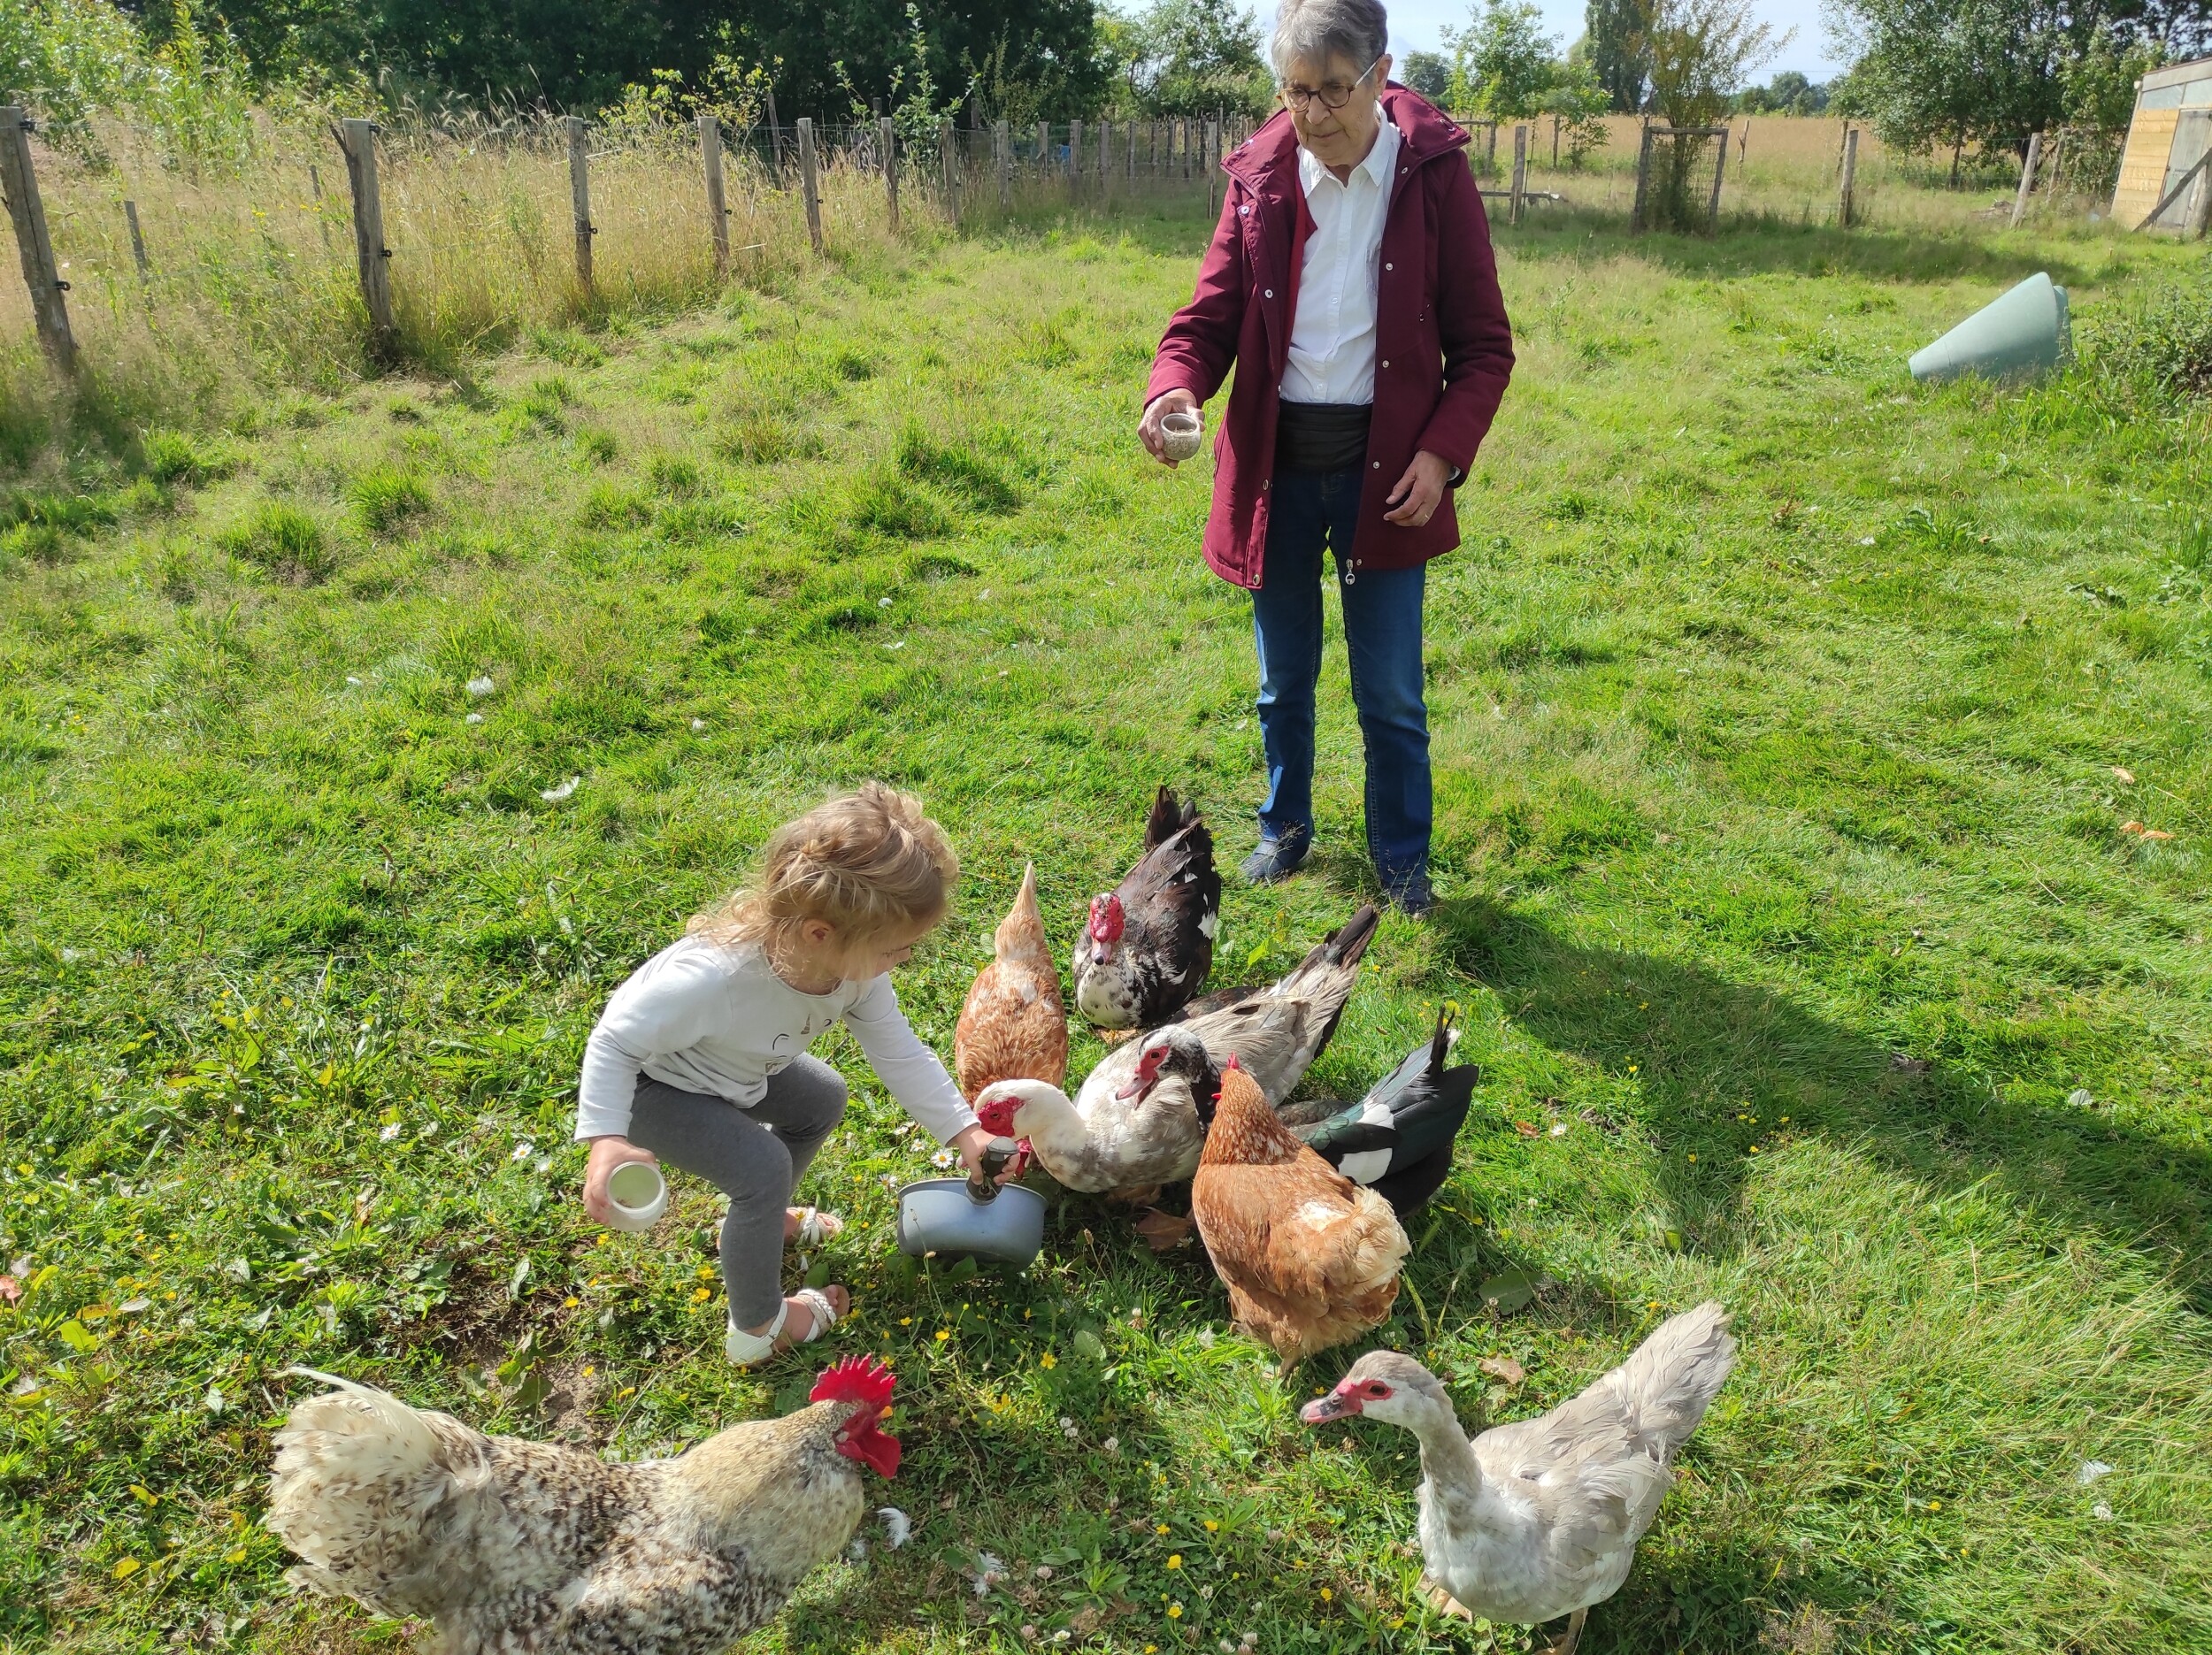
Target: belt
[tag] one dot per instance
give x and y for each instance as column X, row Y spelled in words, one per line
column 1321, row 436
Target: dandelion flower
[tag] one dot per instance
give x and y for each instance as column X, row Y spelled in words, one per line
column 906, row 1322
column 1327, row 1595
column 1213, row 1526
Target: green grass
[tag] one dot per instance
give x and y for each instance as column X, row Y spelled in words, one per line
column 1788, row 893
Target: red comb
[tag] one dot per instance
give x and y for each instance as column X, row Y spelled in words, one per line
column 1231, row 1064
column 855, row 1379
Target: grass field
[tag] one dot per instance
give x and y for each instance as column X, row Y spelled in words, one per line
column 1792, row 892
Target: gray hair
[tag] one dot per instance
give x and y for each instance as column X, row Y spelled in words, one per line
column 1312, row 32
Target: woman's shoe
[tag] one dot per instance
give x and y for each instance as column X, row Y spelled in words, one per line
column 1276, row 859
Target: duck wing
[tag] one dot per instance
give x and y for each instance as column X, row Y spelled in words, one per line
column 1598, row 1465
column 1172, row 901
column 1276, row 1033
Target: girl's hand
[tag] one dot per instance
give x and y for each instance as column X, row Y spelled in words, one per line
column 607, row 1153
column 971, row 1143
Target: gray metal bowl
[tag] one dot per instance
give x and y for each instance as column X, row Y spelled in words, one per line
column 939, row 1215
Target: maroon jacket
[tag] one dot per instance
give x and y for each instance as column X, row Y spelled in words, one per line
column 1438, row 303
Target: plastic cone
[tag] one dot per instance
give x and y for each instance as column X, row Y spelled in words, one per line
column 2020, row 336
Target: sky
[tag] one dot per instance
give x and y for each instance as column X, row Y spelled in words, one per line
column 1418, row 25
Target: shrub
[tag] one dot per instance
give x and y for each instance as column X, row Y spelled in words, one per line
column 387, row 499
column 283, row 542
column 2163, row 335
column 673, row 475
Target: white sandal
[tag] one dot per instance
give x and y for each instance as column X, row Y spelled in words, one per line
column 749, row 1349
column 816, row 1226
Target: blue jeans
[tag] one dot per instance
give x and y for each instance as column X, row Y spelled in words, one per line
column 1382, row 637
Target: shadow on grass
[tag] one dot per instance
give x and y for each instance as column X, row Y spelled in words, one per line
column 1708, row 1047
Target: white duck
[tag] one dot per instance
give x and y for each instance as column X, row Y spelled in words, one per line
column 1540, row 1518
column 1139, row 1120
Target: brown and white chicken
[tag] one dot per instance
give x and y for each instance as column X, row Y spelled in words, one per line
column 1013, row 1025
column 519, row 1548
column 1310, row 1259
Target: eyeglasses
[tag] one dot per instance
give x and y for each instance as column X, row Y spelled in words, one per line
column 1330, row 97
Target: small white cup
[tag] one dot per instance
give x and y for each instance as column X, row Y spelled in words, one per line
column 638, row 1194
column 1181, row 431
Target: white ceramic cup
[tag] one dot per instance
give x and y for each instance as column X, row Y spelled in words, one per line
column 638, row 1194
column 1181, row 431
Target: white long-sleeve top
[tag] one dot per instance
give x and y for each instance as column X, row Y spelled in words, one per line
column 719, row 1021
column 1333, row 335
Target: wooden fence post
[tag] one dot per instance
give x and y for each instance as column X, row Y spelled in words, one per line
column 357, row 139
column 1105, row 150
column 1044, row 148
column 808, row 184
column 1075, row 155
column 1212, row 142
column 1133, row 158
column 948, row 158
column 718, row 212
column 1002, row 142
column 1520, row 174
column 1636, row 225
column 775, row 138
column 40, row 274
column 138, row 241
column 1850, row 177
column 2027, row 179
column 1720, row 166
column 580, row 192
column 887, row 140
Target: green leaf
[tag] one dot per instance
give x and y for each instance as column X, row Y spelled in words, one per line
column 77, row 1337
column 521, row 1275
column 819, row 1272
column 1088, row 1344
column 1508, row 1291
column 532, row 1391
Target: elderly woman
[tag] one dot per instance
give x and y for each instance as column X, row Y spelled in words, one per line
column 1350, row 282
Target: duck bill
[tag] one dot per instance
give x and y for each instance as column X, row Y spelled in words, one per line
column 1335, row 1405
column 1136, row 1088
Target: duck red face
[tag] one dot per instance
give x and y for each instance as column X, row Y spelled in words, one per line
column 1149, row 1061
column 1105, row 927
column 863, row 1381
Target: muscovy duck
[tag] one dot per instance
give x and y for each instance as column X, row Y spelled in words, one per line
column 1150, row 942
column 1398, row 1139
column 1135, row 1124
column 1540, row 1518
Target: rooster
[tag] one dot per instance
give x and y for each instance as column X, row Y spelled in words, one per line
column 1310, row 1258
column 1150, row 942
column 531, row 1548
column 1013, row 1026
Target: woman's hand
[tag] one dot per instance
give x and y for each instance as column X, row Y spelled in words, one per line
column 971, row 1143
column 607, row 1153
column 1419, row 492
column 1149, row 430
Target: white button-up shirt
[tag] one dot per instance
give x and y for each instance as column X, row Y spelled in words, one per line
column 1332, row 336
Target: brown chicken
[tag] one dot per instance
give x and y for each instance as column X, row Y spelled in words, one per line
column 518, row 1548
column 1310, row 1258
column 1013, row 1026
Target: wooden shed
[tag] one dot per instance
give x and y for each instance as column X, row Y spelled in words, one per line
column 2166, row 169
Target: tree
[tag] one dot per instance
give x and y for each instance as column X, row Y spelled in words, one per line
column 1429, row 74
column 1982, row 71
column 1191, row 58
column 1699, row 52
column 1613, row 31
column 1789, row 93
column 1501, row 61
column 1578, row 103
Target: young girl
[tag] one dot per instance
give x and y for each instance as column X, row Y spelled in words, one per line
column 700, row 1059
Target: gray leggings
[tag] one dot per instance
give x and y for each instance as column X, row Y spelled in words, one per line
column 754, row 1156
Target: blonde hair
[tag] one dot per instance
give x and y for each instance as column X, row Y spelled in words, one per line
column 867, row 864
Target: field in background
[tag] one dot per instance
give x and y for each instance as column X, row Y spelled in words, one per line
column 1796, row 903
column 251, row 289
